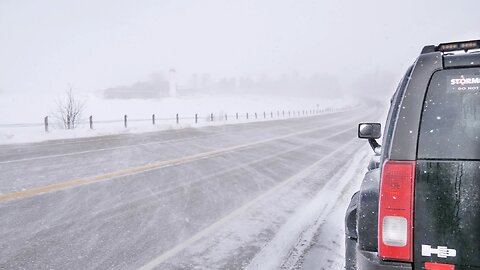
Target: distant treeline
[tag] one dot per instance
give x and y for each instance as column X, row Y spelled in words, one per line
column 158, row 86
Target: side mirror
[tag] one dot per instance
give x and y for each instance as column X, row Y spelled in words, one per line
column 371, row 131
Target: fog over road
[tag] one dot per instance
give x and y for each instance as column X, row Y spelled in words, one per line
column 222, row 197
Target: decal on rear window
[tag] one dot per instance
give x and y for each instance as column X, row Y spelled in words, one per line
column 464, row 83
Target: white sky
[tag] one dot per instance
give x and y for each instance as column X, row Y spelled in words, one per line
column 48, row 45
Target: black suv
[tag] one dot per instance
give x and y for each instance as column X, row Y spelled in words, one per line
column 419, row 203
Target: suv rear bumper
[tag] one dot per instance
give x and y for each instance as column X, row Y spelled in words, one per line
column 370, row 261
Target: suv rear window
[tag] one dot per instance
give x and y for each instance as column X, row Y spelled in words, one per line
column 450, row 125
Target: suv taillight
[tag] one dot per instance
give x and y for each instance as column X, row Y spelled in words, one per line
column 396, row 210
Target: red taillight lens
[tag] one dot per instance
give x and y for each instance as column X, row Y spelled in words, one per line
column 438, row 266
column 396, row 210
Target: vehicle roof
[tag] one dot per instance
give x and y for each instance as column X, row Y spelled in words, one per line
column 461, row 54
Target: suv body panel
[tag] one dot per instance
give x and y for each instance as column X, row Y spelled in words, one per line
column 405, row 134
column 447, row 204
column 461, row 60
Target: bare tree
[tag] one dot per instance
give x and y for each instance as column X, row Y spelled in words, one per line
column 69, row 110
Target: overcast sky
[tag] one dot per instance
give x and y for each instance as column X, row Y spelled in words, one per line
column 48, row 45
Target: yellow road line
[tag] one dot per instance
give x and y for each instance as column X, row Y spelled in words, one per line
column 140, row 169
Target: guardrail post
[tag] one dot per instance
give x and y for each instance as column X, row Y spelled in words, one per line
column 283, row 113
column 236, row 115
column 90, row 119
column 153, row 119
column 226, row 117
column 271, row 114
column 45, row 120
column 211, row 117
column 278, row 114
column 255, row 115
column 176, row 116
column 247, row 115
column 125, row 120
column 196, row 118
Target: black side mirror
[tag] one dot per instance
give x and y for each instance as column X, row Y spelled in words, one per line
column 371, row 131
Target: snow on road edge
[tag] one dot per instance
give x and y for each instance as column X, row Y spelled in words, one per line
column 301, row 228
column 326, row 249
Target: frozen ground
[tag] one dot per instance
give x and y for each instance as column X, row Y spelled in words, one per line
column 260, row 195
column 26, row 125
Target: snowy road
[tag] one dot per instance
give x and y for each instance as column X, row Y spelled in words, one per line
column 259, row 195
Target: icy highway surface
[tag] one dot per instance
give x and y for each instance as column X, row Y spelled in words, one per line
column 261, row 195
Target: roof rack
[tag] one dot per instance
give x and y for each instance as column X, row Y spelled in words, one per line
column 452, row 46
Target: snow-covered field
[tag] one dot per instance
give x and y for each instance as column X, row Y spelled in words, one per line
column 22, row 116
